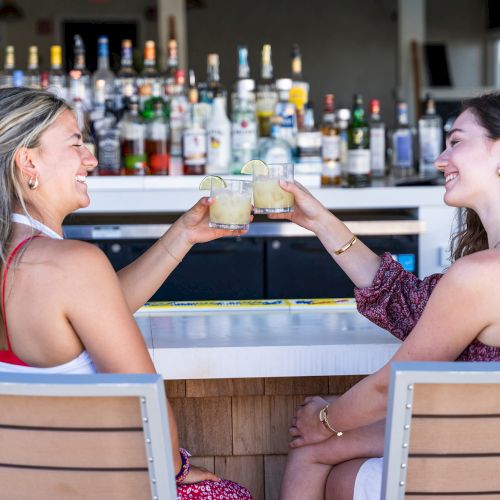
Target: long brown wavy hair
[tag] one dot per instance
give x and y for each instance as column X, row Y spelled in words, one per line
column 471, row 236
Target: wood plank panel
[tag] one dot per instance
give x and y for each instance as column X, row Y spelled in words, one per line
column 70, row 412
column 247, row 471
column 225, row 387
column 205, row 462
column 455, row 435
column 175, row 388
column 204, row 425
column 342, row 383
column 307, row 386
column 461, row 399
column 274, row 466
column 29, row 484
column 453, row 474
column 72, row 449
column 260, row 424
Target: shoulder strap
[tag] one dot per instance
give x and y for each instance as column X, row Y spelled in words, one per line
column 4, row 281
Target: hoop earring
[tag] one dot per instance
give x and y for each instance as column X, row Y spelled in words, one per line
column 33, row 182
column 498, row 171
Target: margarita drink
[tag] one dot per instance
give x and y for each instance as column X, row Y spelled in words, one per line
column 232, row 206
column 268, row 197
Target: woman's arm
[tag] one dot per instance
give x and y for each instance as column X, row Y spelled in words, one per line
column 142, row 278
column 462, row 306
column 99, row 314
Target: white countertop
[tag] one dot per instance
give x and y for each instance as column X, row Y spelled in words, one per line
column 275, row 343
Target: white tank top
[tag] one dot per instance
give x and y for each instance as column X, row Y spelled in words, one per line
column 82, row 364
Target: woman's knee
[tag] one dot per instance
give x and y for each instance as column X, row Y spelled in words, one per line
column 340, row 482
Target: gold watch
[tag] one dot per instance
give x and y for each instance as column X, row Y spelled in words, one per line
column 323, row 418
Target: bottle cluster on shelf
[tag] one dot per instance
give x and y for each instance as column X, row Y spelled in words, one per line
column 167, row 123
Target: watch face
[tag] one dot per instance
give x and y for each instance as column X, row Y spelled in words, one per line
column 322, row 415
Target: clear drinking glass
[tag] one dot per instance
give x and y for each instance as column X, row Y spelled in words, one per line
column 232, row 206
column 268, row 197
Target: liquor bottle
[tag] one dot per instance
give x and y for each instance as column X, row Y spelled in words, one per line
column 150, row 106
column 330, row 145
column 285, row 110
column 211, row 87
column 194, row 144
column 149, row 74
column 243, row 72
column 57, row 77
column 179, row 107
column 430, row 133
column 299, row 93
column 402, row 144
column 273, row 149
column 18, row 78
column 218, row 139
column 80, row 79
column 126, row 76
column 377, row 140
column 172, row 57
column 193, row 94
column 8, row 68
column 32, row 75
column 266, row 96
column 343, row 120
column 358, row 154
column 103, row 78
column 132, row 138
column 108, row 147
column 157, row 143
column 309, row 138
column 243, row 125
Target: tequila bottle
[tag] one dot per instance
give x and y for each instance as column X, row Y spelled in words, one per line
column 32, row 76
column 57, row 77
column 358, row 154
column 103, row 78
column 7, row 74
column 430, row 133
column 402, row 144
column 267, row 96
column 330, row 145
column 377, row 140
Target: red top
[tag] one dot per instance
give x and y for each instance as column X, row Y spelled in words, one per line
column 8, row 356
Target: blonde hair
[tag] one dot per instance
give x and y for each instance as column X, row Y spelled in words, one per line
column 25, row 114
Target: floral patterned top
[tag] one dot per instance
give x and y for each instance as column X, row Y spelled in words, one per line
column 396, row 300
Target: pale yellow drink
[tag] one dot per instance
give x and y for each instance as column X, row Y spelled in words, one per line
column 232, row 206
column 268, row 196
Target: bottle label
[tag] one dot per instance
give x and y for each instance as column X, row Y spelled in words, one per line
column 358, row 162
column 218, row 149
column 430, row 144
column 109, row 155
column 377, row 150
column 194, row 147
column 244, row 134
column 266, row 102
column 176, row 166
column 330, row 147
column 403, row 150
column 276, row 154
column 299, row 95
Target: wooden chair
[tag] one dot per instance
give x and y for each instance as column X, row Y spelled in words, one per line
column 442, row 438
column 84, row 436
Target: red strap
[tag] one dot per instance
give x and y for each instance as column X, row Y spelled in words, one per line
column 8, row 356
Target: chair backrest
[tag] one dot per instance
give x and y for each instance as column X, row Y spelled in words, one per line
column 442, row 437
column 93, row 437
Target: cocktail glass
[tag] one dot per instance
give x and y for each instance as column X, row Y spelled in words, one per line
column 233, row 205
column 268, row 197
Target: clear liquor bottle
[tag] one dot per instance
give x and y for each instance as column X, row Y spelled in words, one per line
column 377, row 140
column 299, row 93
column 211, row 87
column 179, row 107
column 286, row 112
column 133, row 140
column 149, row 74
column 331, row 174
column 273, row 149
column 243, row 125
column 57, row 76
column 103, row 79
column 157, row 141
column 358, row 154
column 402, row 144
column 7, row 74
column 218, row 139
column 32, row 75
column 80, row 78
column 172, row 57
column 194, row 144
column 430, row 133
column 126, row 77
column 243, row 72
column 266, row 96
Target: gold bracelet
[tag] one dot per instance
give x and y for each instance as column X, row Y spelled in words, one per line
column 346, row 247
column 169, row 252
column 323, row 417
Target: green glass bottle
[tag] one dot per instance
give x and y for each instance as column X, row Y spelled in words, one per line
column 358, row 155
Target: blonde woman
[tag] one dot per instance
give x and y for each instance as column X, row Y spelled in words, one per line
column 64, row 309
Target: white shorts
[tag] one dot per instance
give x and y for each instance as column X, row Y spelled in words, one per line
column 368, row 484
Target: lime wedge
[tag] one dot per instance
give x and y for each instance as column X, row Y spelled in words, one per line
column 212, row 180
column 257, row 167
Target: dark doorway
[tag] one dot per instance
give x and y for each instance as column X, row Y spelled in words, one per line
column 90, row 31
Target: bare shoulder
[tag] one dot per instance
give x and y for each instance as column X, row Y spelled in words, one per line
column 480, row 268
